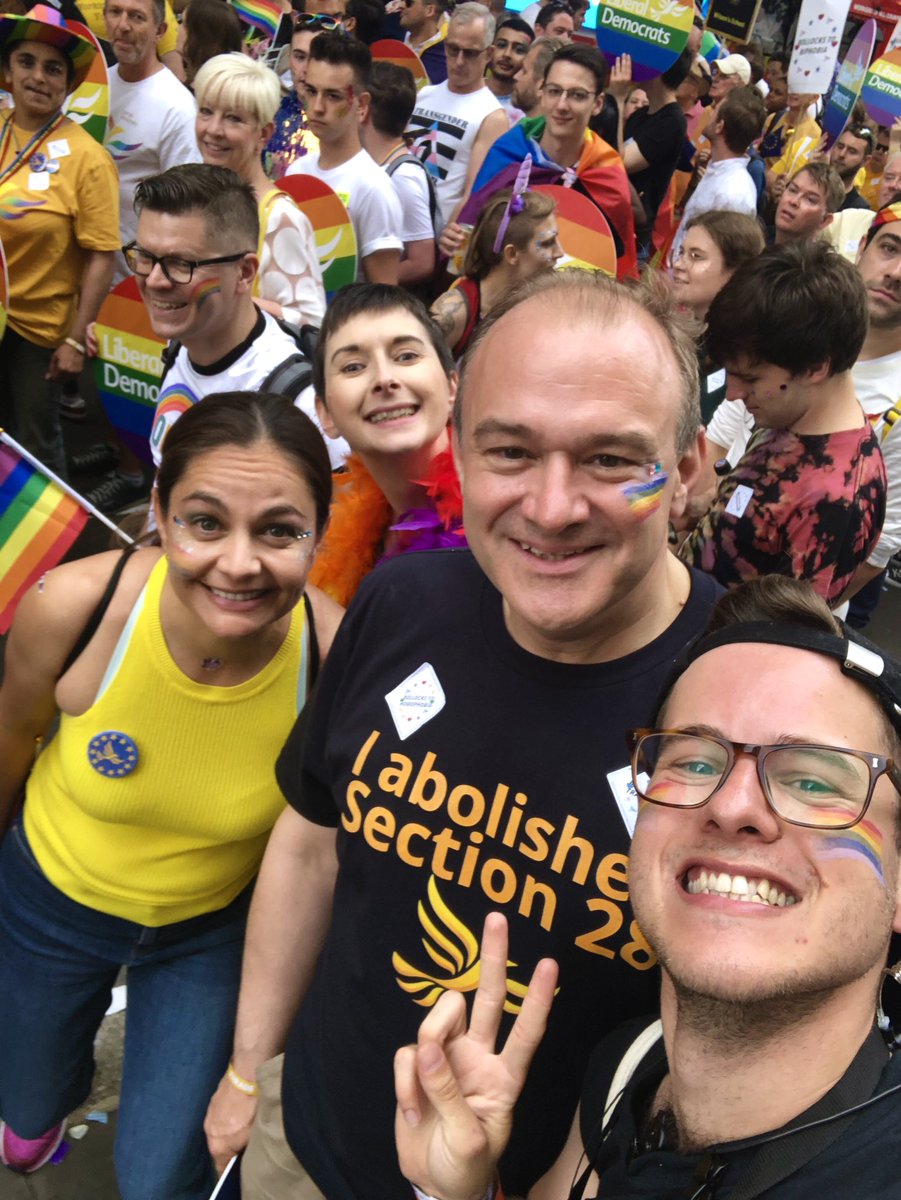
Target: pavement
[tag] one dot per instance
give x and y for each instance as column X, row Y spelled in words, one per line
column 86, row 1173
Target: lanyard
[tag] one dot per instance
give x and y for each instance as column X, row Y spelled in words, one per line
column 35, row 141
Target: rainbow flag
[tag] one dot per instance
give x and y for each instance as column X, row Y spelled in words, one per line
column 38, row 523
column 262, row 14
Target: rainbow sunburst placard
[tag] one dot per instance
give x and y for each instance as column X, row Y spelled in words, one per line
column 88, row 106
column 336, row 241
column 584, row 233
column 392, row 51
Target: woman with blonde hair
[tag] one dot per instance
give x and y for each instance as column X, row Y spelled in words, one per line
column 497, row 258
column 237, row 98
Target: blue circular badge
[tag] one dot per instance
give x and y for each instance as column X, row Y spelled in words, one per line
column 112, row 754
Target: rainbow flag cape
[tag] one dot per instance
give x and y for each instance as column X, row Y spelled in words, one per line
column 40, row 518
column 600, row 175
column 262, row 14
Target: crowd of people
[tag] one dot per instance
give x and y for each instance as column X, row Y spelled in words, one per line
column 448, row 584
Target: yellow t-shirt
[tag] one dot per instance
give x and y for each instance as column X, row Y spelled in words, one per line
column 48, row 218
column 800, row 142
column 93, row 15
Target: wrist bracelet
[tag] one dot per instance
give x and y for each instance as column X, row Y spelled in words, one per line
column 243, row 1085
column 70, row 341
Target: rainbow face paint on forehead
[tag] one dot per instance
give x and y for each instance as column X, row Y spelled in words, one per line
column 644, row 498
column 861, row 841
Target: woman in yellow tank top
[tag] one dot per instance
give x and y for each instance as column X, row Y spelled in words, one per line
column 176, row 681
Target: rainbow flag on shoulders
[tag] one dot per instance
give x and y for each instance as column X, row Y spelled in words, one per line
column 39, row 521
column 262, row 14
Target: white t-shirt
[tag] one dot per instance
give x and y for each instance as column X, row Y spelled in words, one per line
column 290, row 273
column 731, row 426
column 185, row 383
column 725, row 187
column 412, row 189
column 151, row 130
column 846, row 229
column 444, row 125
column 878, row 385
column 368, row 196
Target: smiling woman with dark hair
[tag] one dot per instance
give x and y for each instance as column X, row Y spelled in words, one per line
column 176, row 674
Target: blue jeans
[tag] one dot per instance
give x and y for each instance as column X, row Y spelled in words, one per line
column 58, row 963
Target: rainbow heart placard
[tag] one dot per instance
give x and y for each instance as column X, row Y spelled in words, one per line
column 653, row 32
column 881, row 91
column 849, row 81
column 390, row 50
column 128, row 366
column 336, row 241
column 88, row 106
column 584, row 233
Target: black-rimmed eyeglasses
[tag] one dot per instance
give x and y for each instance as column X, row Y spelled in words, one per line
column 175, row 268
column 817, row 787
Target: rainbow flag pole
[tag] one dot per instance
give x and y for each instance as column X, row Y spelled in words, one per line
column 262, row 14
column 40, row 518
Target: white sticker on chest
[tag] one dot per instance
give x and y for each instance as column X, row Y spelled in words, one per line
column 416, row 700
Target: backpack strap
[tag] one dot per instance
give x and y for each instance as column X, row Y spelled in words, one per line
column 780, row 1157
column 93, row 622
column 295, row 372
column 433, row 195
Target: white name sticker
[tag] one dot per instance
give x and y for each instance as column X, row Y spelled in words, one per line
column 739, row 500
column 59, row 148
column 625, row 795
column 38, row 181
column 415, row 701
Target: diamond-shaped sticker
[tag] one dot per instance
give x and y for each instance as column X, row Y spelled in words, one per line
column 415, row 701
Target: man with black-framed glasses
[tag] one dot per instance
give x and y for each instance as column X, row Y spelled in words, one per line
column 765, row 871
column 195, row 260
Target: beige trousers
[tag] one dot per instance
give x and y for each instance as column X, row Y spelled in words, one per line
column 269, row 1170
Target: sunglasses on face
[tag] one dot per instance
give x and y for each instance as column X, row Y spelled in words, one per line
column 321, row 22
column 452, row 50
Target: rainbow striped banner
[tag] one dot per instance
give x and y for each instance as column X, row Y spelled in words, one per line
column 261, row 14
column 40, row 518
column 336, row 242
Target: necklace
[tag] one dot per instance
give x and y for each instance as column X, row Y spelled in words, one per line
column 32, row 144
column 211, row 664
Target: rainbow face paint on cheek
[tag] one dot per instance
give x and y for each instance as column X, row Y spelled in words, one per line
column 861, row 841
column 644, row 498
column 203, row 291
